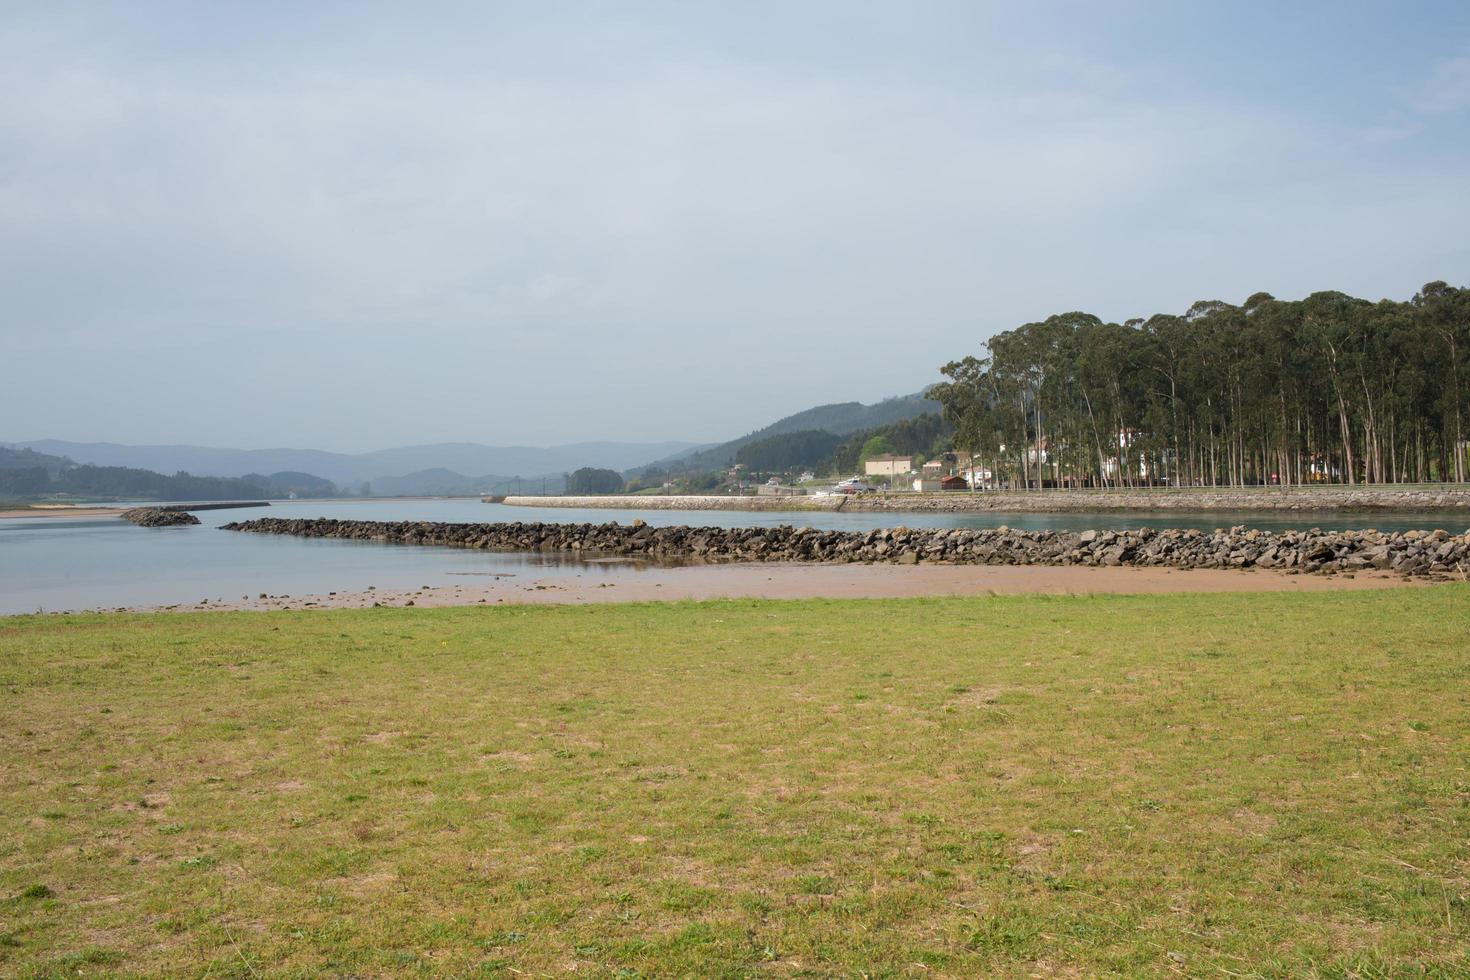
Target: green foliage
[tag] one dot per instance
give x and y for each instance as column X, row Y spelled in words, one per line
column 788, row 451
column 1325, row 389
column 878, row 445
column 705, row 481
column 648, row 480
column 590, row 480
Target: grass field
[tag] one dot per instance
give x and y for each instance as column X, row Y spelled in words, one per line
column 1211, row 785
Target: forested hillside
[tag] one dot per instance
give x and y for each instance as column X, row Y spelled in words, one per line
column 926, row 435
column 48, row 479
column 841, row 419
column 1325, row 389
column 806, row 449
column 826, row 454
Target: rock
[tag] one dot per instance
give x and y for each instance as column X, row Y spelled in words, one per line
column 159, row 517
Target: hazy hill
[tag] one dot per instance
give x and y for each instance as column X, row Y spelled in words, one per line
column 28, row 459
column 301, row 484
column 441, row 482
column 841, row 419
column 346, row 469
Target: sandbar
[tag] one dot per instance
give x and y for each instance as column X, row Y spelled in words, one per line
column 808, row 581
column 63, row 510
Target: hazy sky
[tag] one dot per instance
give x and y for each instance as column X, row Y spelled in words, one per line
column 358, row 225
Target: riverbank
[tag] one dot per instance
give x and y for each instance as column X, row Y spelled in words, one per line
column 1449, row 499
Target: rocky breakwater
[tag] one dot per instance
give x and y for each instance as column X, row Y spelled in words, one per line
column 1432, row 554
column 159, row 517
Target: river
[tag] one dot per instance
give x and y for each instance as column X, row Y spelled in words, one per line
column 49, row 564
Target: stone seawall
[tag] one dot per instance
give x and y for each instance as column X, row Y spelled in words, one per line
column 1448, row 499
column 1434, row 554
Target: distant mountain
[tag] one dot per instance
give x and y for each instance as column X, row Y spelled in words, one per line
column 841, row 419
column 441, row 482
column 347, row 469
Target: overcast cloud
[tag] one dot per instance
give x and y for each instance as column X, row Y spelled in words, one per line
column 351, row 226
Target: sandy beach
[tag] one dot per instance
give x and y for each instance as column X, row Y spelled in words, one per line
column 807, row 581
column 65, row 510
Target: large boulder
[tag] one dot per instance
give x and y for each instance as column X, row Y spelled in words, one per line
column 159, row 517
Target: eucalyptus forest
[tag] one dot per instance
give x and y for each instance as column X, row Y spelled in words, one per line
column 1327, row 389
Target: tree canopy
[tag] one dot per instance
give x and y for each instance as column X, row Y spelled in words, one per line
column 590, row 480
column 1329, row 388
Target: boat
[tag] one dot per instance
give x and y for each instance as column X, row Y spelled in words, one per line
column 854, row 485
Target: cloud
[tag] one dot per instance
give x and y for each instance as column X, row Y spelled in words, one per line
column 352, row 207
column 1448, row 89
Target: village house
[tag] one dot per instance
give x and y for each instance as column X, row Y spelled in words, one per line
column 889, row 465
column 979, row 477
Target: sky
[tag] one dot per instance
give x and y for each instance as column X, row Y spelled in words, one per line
column 349, row 226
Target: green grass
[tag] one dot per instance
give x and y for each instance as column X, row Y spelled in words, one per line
column 1212, row 785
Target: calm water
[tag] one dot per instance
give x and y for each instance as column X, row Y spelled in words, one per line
column 81, row 563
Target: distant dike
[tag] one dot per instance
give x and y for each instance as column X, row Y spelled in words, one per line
column 1450, row 499
column 709, row 502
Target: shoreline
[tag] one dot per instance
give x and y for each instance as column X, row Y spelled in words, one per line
column 1446, row 498
column 799, row 580
column 63, row 511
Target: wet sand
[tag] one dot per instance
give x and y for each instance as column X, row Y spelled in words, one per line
column 806, row 581
column 64, row 511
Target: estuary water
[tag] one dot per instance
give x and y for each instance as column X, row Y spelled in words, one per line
column 70, row 563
